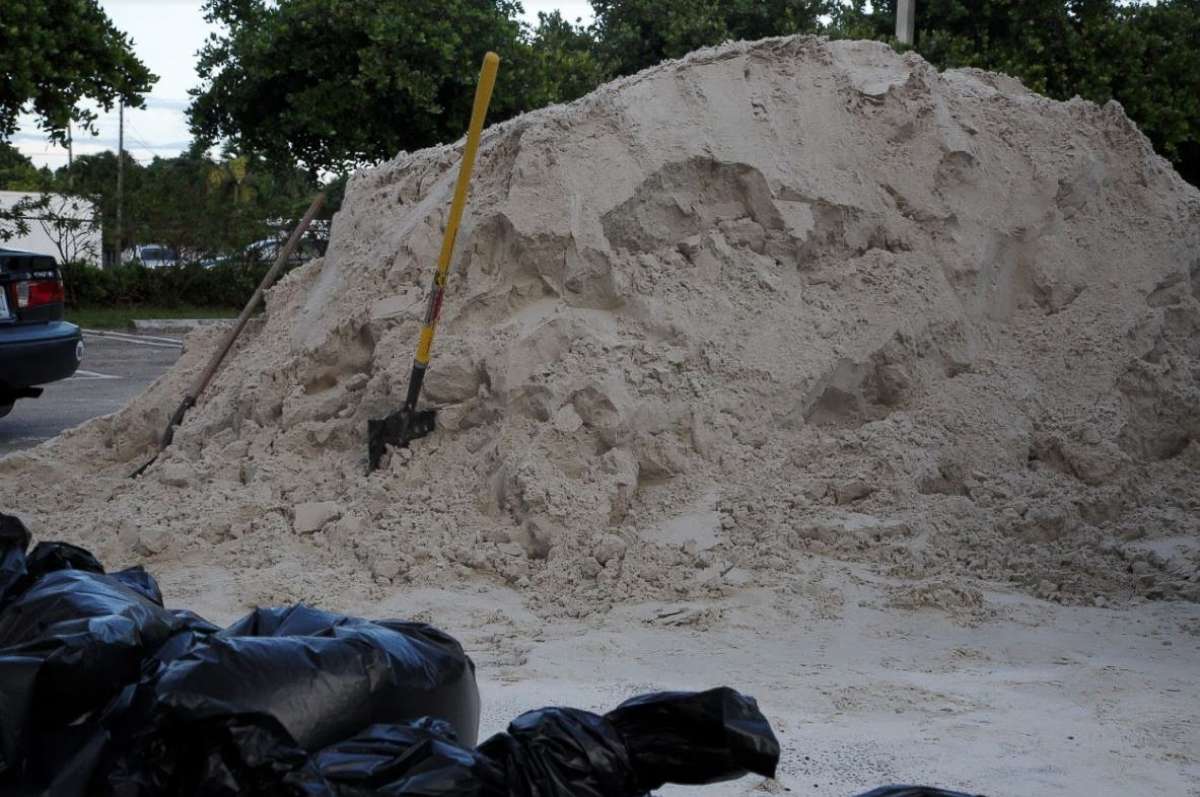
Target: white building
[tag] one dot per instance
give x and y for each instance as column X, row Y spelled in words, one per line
column 66, row 227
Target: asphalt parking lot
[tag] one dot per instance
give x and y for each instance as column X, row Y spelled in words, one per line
column 116, row 367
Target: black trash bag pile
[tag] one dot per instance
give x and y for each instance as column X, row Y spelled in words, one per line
column 103, row 691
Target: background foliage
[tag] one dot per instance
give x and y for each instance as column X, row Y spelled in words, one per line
column 228, row 284
column 199, row 206
column 56, row 53
column 298, row 92
column 274, row 84
column 1144, row 55
column 336, row 82
column 630, row 35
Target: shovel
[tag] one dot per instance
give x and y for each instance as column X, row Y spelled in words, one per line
column 190, row 398
column 408, row 423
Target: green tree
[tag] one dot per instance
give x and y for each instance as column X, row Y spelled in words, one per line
column 172, row 206
column 1144, row 55
column 94, row 177
column 1038, row 42
column 634, row 34
column 1156, row 76
column 17, row 172
column 54, row 54
column 199, row 206
column 69, row 222
column 333, row 83
column 203, row 207
column 560, row 61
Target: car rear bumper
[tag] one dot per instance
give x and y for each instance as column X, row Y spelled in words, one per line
column 38, row 353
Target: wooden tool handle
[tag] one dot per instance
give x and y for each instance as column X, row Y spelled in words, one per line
column 292, row 242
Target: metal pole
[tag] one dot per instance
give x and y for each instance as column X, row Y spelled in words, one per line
column 120, row 177
column 906, row 19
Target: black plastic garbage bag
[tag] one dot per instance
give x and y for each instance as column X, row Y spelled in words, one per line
column 552, row 752
column 669, row 737
column 103, row 691
column 283, row 656
column 71, row 638
column 14, row 539
column 74, row 640
column 253, row 701
column 417, row 759
column 703, row 737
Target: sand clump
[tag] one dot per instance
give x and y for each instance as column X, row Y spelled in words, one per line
column 773, row 301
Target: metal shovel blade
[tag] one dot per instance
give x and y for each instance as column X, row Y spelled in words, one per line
column 397, row 430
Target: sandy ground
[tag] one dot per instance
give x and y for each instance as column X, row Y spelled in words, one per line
column 1020, row 697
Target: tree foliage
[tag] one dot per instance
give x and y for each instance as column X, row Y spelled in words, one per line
column 95, row 177
column 330, row 83
column 294, row 88
column 1144, row 55
column 197, row 205
column 17, row 172
column 336, row 83
column 560, row 62
column 54, row 54
column 227, row 284
column 633, row 34
column 69, row 223
column 1156, row 76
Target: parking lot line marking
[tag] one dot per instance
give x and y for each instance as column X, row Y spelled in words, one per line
column 160, row 343
column 81, row 373
column 112, row 333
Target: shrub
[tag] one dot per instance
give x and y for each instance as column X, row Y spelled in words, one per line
column 226, row 284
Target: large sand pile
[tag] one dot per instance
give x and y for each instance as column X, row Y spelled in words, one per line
column 774, row 300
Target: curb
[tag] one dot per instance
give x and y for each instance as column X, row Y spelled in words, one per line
column 159, row 325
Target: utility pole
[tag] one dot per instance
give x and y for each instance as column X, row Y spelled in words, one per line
column 120, row 176
column 906, row 18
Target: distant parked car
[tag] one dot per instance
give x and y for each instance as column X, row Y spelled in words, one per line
column 269, row 248
column 152, row 255
column 36, row 345
column 266, row 250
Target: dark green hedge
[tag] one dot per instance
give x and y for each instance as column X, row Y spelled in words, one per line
column 228, row 284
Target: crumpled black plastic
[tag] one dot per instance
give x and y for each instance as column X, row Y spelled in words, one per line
column 647, row 741
column 104, row 691
column 71, row 638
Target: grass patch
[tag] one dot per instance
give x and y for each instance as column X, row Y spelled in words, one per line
column 122, row 317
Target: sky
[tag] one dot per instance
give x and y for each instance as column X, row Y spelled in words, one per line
column 166, row 36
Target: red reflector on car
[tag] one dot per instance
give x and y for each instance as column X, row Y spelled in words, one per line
column 39, row 292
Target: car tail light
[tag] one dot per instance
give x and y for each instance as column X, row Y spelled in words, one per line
column 35, row 293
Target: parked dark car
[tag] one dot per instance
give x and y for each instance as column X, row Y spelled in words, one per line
column 266, row 250
column 36, row 345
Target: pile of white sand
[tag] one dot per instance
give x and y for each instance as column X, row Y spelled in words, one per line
column 775, row 300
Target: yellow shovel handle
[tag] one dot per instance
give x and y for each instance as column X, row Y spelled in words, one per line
column 483, row 97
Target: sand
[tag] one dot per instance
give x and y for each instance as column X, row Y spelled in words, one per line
column 1025, row 697
column 778, row 308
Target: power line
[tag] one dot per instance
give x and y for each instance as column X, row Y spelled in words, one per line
column 106, row 120
column 137, row 137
